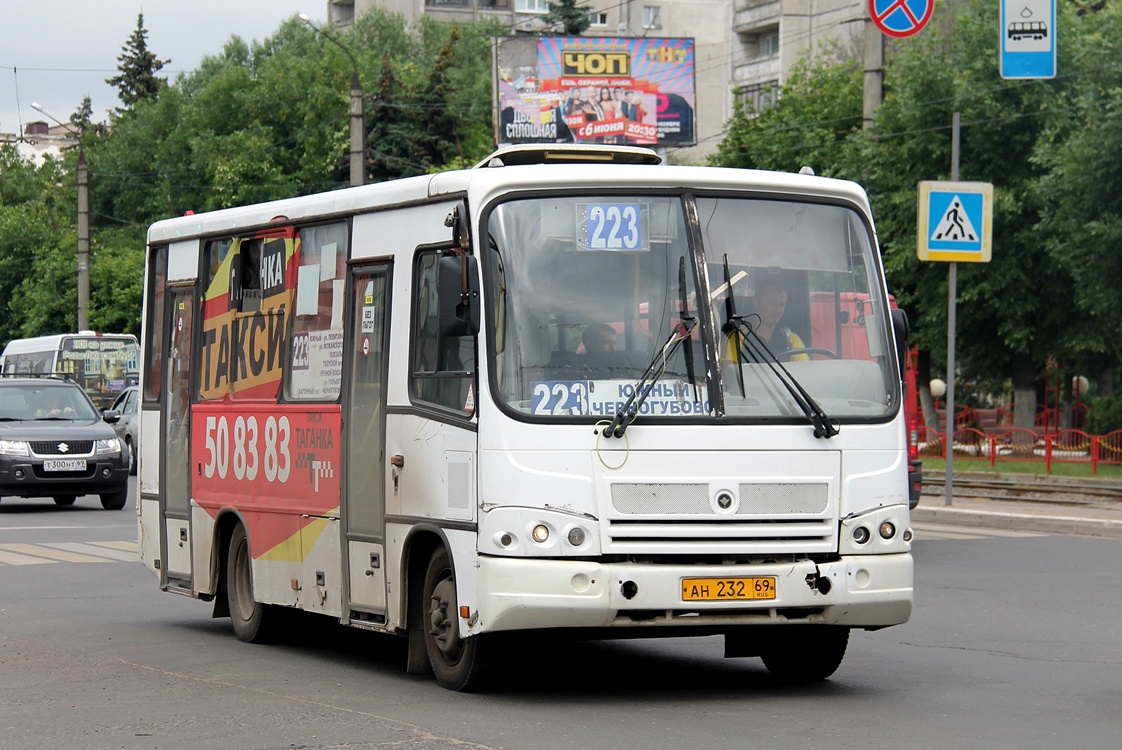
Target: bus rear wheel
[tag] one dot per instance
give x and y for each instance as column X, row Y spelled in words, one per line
column 252, row 620
column 458, row 663
column 65, row 499
column 805, row 654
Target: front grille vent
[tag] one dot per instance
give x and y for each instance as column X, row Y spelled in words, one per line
column 767, row 518
column 51, row 447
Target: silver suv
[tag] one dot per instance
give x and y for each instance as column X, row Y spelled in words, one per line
column 54, row 443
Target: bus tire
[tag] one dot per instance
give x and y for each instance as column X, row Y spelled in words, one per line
column 458, row 663
column 805, row 654
column 65, row 499
column 115, row 500
column 252, row 620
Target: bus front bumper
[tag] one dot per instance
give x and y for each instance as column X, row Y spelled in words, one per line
column 862, row 591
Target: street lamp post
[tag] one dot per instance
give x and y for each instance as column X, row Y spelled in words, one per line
column 83, row 224
column 358, row 109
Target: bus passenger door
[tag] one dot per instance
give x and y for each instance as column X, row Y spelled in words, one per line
column 175, row 471
column 364, row 435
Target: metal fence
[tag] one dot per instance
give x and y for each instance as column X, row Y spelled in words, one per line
column 1019, row 444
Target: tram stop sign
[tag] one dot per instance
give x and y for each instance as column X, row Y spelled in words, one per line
column 900, row 18
column 955, row 221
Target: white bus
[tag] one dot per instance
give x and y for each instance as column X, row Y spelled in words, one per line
column 377, row 404
column 103, row 363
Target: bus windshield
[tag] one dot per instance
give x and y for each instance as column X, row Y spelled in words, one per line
column 590, row 293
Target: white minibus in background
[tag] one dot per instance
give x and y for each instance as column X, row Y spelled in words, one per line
column 104, row 364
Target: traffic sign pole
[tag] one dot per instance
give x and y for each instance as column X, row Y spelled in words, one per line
column 952, row 293
column 955, row 224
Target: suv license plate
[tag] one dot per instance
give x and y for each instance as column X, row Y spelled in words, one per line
column 64, row 464
column 728, row 589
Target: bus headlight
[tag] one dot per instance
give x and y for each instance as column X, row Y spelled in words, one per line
column 537, row 532
column 877, row 531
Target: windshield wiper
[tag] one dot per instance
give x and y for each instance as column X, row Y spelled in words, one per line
column 752, row 347
column 657, row 367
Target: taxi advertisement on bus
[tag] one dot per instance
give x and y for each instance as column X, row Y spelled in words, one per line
column 243, row 441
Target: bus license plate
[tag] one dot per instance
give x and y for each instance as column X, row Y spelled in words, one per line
column 64, row 464
column 728, row 589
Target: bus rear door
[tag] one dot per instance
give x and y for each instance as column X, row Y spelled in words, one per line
column 175, row 459
column 364, row 427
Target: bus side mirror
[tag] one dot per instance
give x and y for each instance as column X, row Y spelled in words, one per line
column 457, row 290
column 900, row 333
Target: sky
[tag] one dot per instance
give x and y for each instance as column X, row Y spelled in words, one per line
column 56, row 52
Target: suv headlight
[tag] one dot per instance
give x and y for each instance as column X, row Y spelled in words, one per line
column 14, row 448
column 107, row 446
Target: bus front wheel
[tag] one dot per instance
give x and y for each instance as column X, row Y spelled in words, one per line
column 458, row 663
column 805, row 654
column 252, row 620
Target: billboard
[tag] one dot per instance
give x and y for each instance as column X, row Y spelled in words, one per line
column 557, row 89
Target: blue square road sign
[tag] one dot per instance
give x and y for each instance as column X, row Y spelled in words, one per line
column 955, row 221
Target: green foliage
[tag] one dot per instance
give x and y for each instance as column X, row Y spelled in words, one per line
column 1052, row 149
column 137, row 80
column 38, row 234
column 1104, row 415
column 574, row 19
column 253, row 122
column 117, row 280
column 811, row 124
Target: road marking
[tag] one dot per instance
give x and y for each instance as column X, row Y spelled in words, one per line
column 74, row 552
column 132, row 547
column 11, row 558
column 120, row 555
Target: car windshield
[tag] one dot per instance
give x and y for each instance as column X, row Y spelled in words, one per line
column 588, row 293
column 42, row 402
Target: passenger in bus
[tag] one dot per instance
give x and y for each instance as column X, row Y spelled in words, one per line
column 768, row 306
column 600, row 358
column 598, row 337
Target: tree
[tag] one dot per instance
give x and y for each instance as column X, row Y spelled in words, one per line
column 574, row 20
column 38, row 242
column 1008, row 324
column 1081, row 151
column 254, row 122
column 137, row 80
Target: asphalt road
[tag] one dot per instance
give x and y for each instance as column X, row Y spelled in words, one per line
column 1014, row 644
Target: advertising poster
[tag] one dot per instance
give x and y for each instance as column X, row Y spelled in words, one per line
column 595, row 90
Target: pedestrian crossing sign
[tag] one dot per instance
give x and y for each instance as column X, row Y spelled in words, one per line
column 955, row 221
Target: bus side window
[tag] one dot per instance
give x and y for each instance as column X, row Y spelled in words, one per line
column 315, row 347
column 443, row 368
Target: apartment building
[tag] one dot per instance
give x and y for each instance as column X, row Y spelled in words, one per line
column 743, row 48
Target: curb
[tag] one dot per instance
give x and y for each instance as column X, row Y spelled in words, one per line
column 1066, row 525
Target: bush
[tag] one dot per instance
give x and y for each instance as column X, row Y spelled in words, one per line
column 1105, row 415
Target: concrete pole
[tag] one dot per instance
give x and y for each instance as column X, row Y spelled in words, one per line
column 83, row 240
column 358, row 132
column 874, row 72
